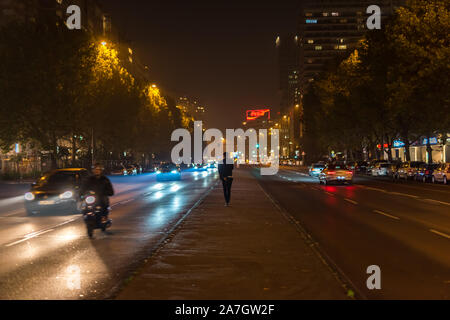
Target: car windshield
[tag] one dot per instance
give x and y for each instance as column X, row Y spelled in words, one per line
column 319, row 166
column 57, row 178
column 384, row 165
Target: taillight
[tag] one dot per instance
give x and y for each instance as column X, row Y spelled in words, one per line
column 427, row 172
column 331, row 172
column 349, row 172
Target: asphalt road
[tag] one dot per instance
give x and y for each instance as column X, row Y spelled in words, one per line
column 42, row 255
column 402, row 227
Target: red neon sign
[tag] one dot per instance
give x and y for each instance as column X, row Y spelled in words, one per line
column 256, row 114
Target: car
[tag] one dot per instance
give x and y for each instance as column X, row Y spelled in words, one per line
column 393, row 168
column 425, row 172
column 358, row 166
column 371, row 165
column 56, row 191
column 212, row 166
column 130, row 170
column 168, row 171
column 200, row 167
column 380, row 169
column 441, row 174
column 316, row 169
column 408, row 170
column 336, row 172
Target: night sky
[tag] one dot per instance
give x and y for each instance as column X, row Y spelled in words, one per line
column 222, row 52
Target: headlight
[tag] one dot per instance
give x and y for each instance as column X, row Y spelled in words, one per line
column 29, row 196
column 66, row 195
column 90, row 200
column 158, row 172
column 174, row 171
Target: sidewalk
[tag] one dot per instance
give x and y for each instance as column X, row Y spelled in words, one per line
column 248, row 251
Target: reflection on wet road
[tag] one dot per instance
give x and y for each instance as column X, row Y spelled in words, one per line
column 51, row 257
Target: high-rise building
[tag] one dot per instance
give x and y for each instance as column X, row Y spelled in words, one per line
column 288, row 52
column 329, row 29
column 193, row 107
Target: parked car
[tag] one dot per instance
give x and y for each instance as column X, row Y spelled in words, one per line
column 441, row 173
column 371, row 165
column 168, row 171
column 380, row 169
column 56, row 191
column 425, row 172
column 336, row 172
column 316, row 169
column 408, row 170
column 393, row 168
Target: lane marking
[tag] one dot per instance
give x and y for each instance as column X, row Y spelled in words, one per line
column 329, row 193
column 440, row 233
column 403, row 194
column 374, row 189
column 437, row 201
column 386, row 214
column 40, row 232
column 351, row 201
column 28, row 237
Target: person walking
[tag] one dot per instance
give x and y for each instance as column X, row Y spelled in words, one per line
column 226, row 175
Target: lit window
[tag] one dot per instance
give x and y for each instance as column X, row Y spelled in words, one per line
column 311, row 20
column 130, row 51
column 310, row 41
column 343, row 20
column 318, row 48
column 335, row 14
column 325, row 14
column 343, row 47
column 308, row 14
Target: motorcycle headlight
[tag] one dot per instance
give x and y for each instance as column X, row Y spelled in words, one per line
column 66, row 195
column 90, row 200
column 29, row 196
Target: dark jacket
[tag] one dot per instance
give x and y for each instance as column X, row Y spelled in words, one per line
column 225, row 170
column 101, row 186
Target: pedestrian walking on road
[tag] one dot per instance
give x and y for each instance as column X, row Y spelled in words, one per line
column 226, row 175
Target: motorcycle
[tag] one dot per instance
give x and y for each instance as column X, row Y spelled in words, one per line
column 93, row 214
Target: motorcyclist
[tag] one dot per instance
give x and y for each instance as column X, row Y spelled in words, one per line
column 102, row 187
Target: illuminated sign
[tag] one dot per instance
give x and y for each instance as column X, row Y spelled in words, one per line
column 433, row 140
column 398, row 144
column 256, row 114
column 385, row 146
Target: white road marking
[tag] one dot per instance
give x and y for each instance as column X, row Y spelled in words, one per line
column 38, row 233
column 437, row 201
column 386, row 214
column 374, row 189
column 28, row 237
column 351, row 201
column 440, row 233
column 403, row 194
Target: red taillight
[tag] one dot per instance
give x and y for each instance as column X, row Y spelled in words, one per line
column 349, row 172
column 331, row 172
column 427, row 172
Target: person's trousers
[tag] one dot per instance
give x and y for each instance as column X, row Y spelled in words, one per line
column 227, row 189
